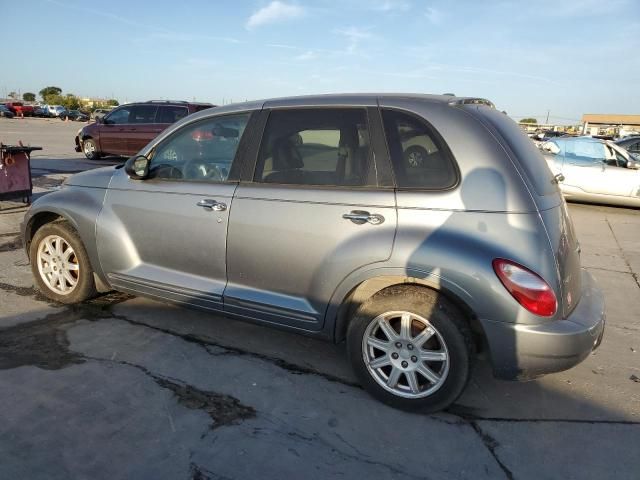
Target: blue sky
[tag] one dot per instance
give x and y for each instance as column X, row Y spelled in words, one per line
column 567, row 56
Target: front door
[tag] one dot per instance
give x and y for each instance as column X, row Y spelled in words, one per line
column 311, row 216
column 166, row 236
column 112, row 131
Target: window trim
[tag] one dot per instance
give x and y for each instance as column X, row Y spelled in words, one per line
column 371, row 177
column 439, row 141
column 238, row 159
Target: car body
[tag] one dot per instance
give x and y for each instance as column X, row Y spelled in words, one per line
column 306, row 214
column 56, row 110
column 128, row 128
column 5, row 112
column 19, row 108
column 631, row 143
column 75, row 115
column 594, row 170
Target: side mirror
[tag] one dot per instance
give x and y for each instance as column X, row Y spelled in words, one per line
column 137, row 167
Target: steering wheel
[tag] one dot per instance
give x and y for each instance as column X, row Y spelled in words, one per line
column 198, row 169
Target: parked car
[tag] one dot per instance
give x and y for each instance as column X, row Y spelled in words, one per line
column 128, row 128
column 594, row 170
column 42, row 111
column 307, row 214
column 75, row 115
column 631, row 144
column 18, row 108
column 56, row 110
column 5, row 112
column 100, row 112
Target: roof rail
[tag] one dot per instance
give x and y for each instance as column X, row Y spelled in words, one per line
column 472, row 101
column 165, row 101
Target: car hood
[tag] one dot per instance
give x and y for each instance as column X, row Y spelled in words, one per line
column 97, row 178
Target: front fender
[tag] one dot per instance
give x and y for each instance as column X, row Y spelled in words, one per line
column 80, row 206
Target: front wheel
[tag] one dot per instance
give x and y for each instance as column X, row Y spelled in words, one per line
column 411, row 348
column 90, row 149
column 60, row 264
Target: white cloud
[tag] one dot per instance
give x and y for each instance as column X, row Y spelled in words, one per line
column 433, row 15
column 276, row 11
column 392, row 5
column 354, row 37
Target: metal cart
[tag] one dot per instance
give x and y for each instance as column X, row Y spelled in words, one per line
column 15, row 172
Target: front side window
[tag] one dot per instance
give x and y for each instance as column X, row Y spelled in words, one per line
column 118, row 117
column 203, row 151
column 418, row 157
column 143, row 114
column 315, row 147
column 584, row 153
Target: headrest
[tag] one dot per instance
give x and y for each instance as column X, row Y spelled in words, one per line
column 286, row 155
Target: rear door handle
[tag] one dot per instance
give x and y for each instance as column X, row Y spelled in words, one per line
column 209, row 204
column 361, row 217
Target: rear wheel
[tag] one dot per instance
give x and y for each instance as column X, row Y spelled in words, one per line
column 411, row 348
column 60, row 264
column 90, row 149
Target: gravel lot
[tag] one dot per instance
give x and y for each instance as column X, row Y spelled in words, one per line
column 124, row 387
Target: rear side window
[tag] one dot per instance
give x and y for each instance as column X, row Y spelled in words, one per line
column 527, row 155
column 315, row 147
column 143, row 114
column 171, row 114
column 419, row 157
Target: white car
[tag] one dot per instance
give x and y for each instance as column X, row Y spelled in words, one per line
column 593, row 170
column 56, row 110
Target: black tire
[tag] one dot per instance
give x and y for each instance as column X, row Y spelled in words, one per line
column 85, row 287
column 442, row 315
column 91, row 153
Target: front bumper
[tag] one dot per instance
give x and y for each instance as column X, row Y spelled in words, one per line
column 528, row 351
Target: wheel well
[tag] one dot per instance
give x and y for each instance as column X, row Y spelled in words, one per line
column 36, row 222
column 368, row 288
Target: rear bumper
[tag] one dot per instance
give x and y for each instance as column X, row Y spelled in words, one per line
column 527, row 351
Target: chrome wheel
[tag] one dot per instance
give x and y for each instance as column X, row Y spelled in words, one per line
column 58, row 265
column 405, row 354
column 89, row 148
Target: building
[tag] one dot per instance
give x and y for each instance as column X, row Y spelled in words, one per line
column 610, row 124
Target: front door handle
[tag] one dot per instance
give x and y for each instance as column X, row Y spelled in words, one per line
column 361, row 217
column 209, row 204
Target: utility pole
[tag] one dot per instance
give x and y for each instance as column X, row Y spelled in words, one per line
column 547, row 120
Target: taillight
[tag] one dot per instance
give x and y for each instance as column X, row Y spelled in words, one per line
column 529, row 289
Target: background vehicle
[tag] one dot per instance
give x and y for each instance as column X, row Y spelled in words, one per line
column 56, row 110
column 42, row 111
column 17, row 107
column 631, row 144
column 100, row 112
column 307, row 213
column 128, row 128
column 75, row 115
column 594, row 170
column 5, row 112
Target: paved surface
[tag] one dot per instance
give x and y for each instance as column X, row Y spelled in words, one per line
column 124, row 387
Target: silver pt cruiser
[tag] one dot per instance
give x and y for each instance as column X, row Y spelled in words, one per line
column 421, row 229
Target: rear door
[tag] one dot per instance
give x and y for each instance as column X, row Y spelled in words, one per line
column 142, row 127
column 166, row 236
column 308, row 216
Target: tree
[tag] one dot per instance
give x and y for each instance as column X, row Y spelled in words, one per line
column 70, row 102
column 28, row 97
column 49, row 91
column 532, row 121
column 13, row 95
column 113, row 102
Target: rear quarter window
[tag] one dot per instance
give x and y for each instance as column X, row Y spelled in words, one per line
column 527, row 155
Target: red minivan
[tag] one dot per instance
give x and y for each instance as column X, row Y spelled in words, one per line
column 128, row 128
